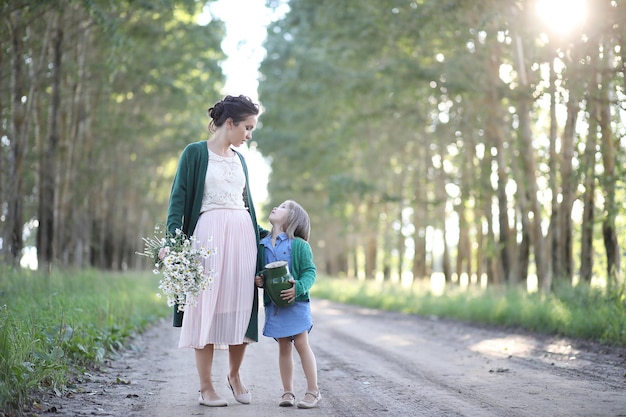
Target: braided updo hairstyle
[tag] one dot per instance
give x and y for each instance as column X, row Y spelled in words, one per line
column 237, row 108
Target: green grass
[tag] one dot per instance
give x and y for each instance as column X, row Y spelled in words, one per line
column 53, row 327
column 580, row 312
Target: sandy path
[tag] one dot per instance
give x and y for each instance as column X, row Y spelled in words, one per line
column 372, row 363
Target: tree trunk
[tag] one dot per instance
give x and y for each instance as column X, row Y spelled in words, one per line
column 4, row 131
column 420, row 214
column 565, row 269
column 609, row 232
column 555, row 233
column 589, row 182
column 387, row 245
column 371, row 246
column 370, row 256
column 464, row 257
column 75, row 195
column 495, row 259
column 507, row 239
column 47, row 174
column 440, row 223
column 529, row 172
column 495, row 137
column 18, row 139
column 400, row 239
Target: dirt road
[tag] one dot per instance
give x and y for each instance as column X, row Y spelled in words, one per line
column 371, row 363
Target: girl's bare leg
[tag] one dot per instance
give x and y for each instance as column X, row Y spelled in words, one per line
column 285, row 363
column 309, row 364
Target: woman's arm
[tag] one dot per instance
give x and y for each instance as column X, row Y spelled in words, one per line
column 178, row 195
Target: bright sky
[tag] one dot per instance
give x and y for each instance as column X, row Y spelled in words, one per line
column 246, row 22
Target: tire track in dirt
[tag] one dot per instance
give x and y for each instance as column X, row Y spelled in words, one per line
column 384, row 382
column 423, row 367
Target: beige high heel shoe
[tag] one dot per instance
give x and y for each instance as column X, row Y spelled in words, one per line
column 244, row 398
column 220, row 402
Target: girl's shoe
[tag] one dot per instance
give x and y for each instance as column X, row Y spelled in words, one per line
column 317, row 397
column 288, row 399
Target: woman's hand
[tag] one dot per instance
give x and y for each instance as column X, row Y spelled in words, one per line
column 163, row 252
column 259, row 281
column 289, row 294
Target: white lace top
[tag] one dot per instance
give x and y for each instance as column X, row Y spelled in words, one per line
column 224, row 183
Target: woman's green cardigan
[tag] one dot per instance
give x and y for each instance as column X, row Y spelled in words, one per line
column 186, row 201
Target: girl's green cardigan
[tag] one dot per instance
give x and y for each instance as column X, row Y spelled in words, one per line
column 186, row 201
column 302, row 268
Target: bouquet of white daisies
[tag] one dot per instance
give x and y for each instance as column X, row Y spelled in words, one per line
column 181, row 263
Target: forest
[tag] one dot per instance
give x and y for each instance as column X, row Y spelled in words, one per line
column 481, row 140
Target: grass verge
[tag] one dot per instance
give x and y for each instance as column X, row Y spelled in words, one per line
column 579, row 312
column 54, row 327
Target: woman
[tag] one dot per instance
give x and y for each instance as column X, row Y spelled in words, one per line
column 210, row 200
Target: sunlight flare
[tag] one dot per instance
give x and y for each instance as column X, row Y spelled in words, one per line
column 562, row 16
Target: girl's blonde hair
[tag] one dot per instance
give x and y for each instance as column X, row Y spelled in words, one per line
column 298, row 223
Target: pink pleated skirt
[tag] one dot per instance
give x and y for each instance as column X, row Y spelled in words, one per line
column 223, row 312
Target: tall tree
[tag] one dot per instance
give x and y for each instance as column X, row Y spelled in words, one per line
column 48, row 168
column 18, row 130
column 609, row 232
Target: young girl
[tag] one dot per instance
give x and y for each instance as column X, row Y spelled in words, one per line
column 288, row 241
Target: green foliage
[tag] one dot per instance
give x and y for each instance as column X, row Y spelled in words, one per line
column 380, row 111
column 53, row 326
column 159, row 81
column 580, row 312
column 137, row 79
